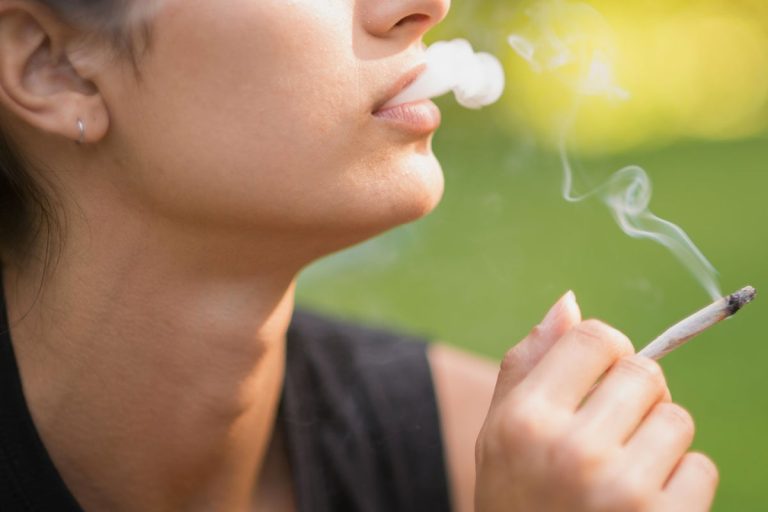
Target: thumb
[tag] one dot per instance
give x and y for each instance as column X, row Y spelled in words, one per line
column 524, row 356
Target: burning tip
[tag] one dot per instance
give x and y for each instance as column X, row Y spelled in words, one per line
column 738, row 299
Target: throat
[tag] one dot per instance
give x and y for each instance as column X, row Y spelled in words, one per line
column 154, row 401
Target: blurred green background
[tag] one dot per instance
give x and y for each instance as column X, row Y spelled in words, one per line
column 503, row 245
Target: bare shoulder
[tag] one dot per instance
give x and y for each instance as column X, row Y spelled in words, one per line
column 464, row 385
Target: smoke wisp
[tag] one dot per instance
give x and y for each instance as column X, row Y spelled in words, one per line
column 571, row 41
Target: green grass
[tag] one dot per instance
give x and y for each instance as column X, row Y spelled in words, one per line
column 503, row 245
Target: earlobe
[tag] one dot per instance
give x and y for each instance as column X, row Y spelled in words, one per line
column 38, row 82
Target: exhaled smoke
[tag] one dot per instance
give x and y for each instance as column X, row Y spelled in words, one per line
column 570, row 41
column 476, row 79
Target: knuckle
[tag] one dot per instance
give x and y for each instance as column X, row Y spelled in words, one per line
column 679, row 418
column 704, row 465
column 594, row 332
column 592, row 329
column 642, row 368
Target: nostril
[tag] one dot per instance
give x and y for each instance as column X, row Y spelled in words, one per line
column 413, row 18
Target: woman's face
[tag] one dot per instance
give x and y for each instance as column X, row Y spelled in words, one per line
column 260, row 113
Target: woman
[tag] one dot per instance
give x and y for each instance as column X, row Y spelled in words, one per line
column 165, row 176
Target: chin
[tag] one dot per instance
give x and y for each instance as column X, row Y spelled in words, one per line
column 412, row 191
column 425, row 194
column 397, row 195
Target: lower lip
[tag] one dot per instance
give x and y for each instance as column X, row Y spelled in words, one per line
column 418, row 118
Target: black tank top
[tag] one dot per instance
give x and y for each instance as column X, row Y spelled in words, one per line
column 358, row 412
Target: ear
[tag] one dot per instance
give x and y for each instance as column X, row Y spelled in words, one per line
column 39, row 82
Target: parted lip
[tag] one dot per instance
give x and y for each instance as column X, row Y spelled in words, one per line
column 401, row 83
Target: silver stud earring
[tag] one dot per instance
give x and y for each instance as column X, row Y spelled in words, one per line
column 81, row 129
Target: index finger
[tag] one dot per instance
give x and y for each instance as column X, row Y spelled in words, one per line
column 568, row 371
column 524, row 356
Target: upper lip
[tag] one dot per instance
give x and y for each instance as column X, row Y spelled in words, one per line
column 401, row 83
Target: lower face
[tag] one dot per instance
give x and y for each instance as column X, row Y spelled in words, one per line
column 259, row 115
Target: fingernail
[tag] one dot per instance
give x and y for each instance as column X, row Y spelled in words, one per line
column 550, row 319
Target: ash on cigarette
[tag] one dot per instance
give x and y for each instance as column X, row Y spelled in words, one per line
column 739, row 299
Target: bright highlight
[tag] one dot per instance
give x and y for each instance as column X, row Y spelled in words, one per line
column 694, row 69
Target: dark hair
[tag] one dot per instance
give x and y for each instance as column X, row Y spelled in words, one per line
column 27, row 207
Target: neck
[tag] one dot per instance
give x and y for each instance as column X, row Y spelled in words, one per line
column 153, row 373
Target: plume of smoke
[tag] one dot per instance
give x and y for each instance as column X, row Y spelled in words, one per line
column 476, row 79
column 570, row 54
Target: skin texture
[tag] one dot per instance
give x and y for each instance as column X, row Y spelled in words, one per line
column 244, row 149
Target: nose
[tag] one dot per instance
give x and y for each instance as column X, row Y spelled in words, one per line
column 406, row 19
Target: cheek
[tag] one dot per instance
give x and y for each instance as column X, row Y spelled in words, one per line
column 266, row 69
column 255, row 110
column 245, row 88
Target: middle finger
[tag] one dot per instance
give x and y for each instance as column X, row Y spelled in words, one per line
column 622, row 399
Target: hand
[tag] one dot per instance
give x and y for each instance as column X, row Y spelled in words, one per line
column 555, row 441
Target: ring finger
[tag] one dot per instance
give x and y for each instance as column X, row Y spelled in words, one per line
column 659, row 443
